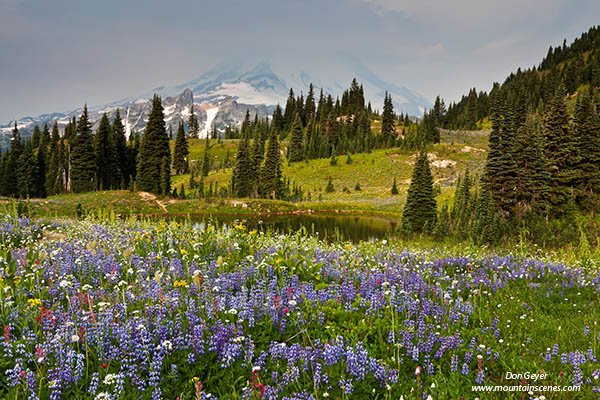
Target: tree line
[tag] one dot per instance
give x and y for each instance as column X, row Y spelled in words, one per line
column 541, row 172
column 573, row 66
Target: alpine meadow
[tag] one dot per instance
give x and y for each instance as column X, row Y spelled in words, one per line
column 294, row 224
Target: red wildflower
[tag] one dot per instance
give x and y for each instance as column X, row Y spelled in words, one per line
column 261, row 390
column 7, row 334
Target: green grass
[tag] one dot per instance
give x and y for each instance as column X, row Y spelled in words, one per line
column 121, row 202
column 374, row 172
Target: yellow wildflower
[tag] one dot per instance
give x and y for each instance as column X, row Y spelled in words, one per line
column 32, row 303
column 180, row 283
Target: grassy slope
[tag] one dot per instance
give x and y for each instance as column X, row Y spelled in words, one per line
column 375, row 173
column 119, row 201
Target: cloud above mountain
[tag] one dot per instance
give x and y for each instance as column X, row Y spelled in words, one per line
column 57, row 55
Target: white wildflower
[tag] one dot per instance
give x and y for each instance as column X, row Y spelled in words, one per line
column 109, row 379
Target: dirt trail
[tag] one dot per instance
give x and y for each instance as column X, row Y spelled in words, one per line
column 146, row 196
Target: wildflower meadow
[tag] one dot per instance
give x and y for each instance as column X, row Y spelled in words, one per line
column 96, row 309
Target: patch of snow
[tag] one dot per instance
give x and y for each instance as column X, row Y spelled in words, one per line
column 245, row 93
column 211, row 113
column 127, row 125
column 443, row 163
column 469, row 149
column 170, row 109
column 141, row 101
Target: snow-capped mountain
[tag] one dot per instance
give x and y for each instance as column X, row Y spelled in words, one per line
column 222, row 95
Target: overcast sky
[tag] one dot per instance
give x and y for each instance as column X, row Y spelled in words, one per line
column 56, row 55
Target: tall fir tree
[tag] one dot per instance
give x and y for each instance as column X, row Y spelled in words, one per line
column 27, row 172
column 241, row 179
column 563, row 153
column 290, row 111
column 296, row 152
column 309, row 108
column 206, row 158
column 42, row 164
column 53, row 163
column 587, row 128
column 165, row 176
column 193, row 124
column 154, row 149
column 270, row 180
column 181, row 151
column 420, row 210
column 506, row 190
column 11, row 177
column 107, row 163
column 387, row 121
column 533, row 174
column 83, row 163
column 35, row 136
column 120, row 140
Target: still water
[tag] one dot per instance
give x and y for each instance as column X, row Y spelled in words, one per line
column 327, row 226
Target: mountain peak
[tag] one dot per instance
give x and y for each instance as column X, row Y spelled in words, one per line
column 222, row 94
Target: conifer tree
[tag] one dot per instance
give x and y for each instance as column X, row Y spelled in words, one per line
column 258, row 154
column 472, row 110
column 271, row 184
column 11, row 178
column 277, row 121
column 83, row 163
column 107, row 162
column 46, row 133
column 35, row 136
column 206, row 159
column 42, row 165
column 486, row 228
column 296, row 141
column 241, row 179
column 563, row 153
column 442, row 228
column 387, row 121
column 154, row 149
column 290, row 111
column 329, row 188
column 460, row 214
column 493, row 165
column 420, row 210
column 193, row 124
column 506, row 177
column 333, row 159
column 181, row 151
column 309, row 108
column 120, row 141
column 394, row 187
column 27, row 172
column 533, row 174
column 53, row 165
column 587, row 127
